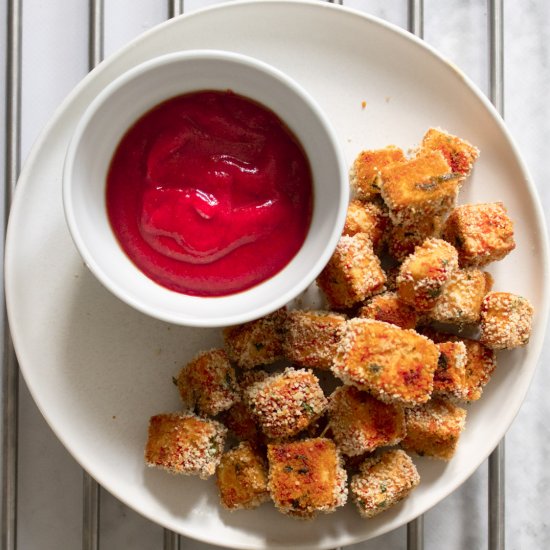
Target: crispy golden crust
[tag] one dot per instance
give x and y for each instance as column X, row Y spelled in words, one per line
column 433, row 429
column 353, row 273
column 242, row 478
column 424, row 273
column 312, row 337
column 369, row 218
column 459, row 154
column 360, row 423
column 383, row 481
column 208, row 383
column 389, row 308
column 285, row 404
column 481, row 233
column 306, row 477
column 461, row 297
column 505, row 320
column 423, row 187
column 365, row 171
column 258, row 342
column 394, row 365
column 185, row 444
column 450, row 375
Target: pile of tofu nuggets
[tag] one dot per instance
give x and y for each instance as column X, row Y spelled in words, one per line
column 406, row 277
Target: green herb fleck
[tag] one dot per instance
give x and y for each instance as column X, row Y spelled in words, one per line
column 174, row 381
column 383, row 487
column 303, row 471
column 442, row 362
column 382, row 504
column 213, row 445
column 374, row 368
column 308, row 408
column 435, row 292
column 259, row 346
column 287, row 469
column 427, row 185
column 295, row 503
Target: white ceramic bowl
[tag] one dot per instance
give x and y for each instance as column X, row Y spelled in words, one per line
column 134, row 93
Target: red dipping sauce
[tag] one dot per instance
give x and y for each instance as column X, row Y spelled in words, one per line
column 209, row 194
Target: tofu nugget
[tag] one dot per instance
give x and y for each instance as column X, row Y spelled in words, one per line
column 391, row 363
column 285, row 404
column 361, row 423
column 423, row 187
column 383, row 481
column 433, row 429
column 257, row 342
column 312, row 337
column 365, row 171
column 208, row 383
column 481, row 233
column 505, row 320
column 185, row 444
column 424, row 274
column 353, row 273
column 460, row 154
column 242, row 478
column 306, row 477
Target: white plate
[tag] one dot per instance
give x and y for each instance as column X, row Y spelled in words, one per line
column 98, row 369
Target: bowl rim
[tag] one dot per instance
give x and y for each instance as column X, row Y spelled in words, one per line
column 187, row 319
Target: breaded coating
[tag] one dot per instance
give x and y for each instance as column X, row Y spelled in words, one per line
column 423, row 187
column 383, row 481
column 361, row 423
column 450, row 375
column 505, row 320
column 208, row 383
column 365, row 171
column 481, row 233
column 403, row 239
column 393, row 364
column 353, row 273
column 312, row 337
column 459, row 154
column 369, row 218
column 306, row 477
column 460, row 299
column 257, row 342
column 183, row 443
column 284, row 404
column 433, row 429
column 389, row 308
column 242, row 478
column 424, row 273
